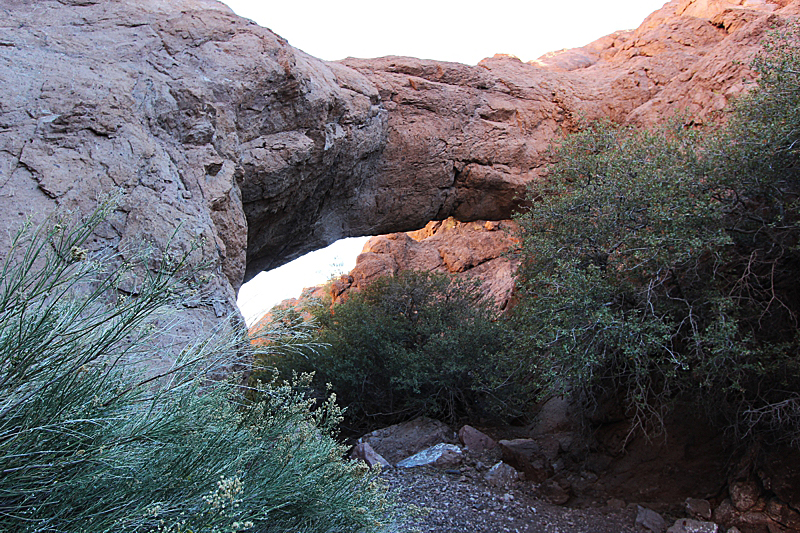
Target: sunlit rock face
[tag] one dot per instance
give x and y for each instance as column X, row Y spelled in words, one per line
column 477, row 250
column 466, row 141
column 219, row 131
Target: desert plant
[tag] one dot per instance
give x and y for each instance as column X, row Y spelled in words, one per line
column 412, row 344
column 91, row 442
column 609, row 247
column 660, row 265
column 753, row 166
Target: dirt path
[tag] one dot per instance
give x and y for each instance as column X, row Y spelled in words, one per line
column 446, row 501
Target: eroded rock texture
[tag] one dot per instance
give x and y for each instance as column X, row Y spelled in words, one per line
column 463, row 141
column 473, row 250
column 217, row 129
column 208, row 122
column 476, row 136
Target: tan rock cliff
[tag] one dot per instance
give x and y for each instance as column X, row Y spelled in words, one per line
column 475, row 250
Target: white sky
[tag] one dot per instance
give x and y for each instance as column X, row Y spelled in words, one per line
column 463, row 31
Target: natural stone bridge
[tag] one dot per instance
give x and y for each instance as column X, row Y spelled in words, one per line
column 217, row 128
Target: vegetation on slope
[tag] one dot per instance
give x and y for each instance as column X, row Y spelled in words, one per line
column 662, row 266
column 415, row 344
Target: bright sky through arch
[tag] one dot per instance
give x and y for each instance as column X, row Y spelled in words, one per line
column 445, row 30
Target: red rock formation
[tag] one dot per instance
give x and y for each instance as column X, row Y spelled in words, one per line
column 464, row 141
column 474, row 250
column 481, row 137
column 220, row 130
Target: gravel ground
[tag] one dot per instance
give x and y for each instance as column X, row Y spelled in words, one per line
column 448, row 501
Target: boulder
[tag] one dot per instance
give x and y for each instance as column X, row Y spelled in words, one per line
column 783, row 515
column 744, row 494
column 474, row 440
column 698, row 508
column 725, row 512
column 554, row 492
column 501, row 475
column 526, row 456
column 399, row 441
column 550, row 446
column 554, row 416
column 364, row 452
column 441, row 455
column 651, row 520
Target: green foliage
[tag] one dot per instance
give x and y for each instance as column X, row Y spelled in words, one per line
column 90, row 443
column 621, row 213
column 661, row 265
column 416, row 343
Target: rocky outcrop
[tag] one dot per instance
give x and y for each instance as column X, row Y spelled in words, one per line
column 220, row 132
column 464, row 141
column 208, row 123
column 479, row 138
column 474, row 250
column 205, row 119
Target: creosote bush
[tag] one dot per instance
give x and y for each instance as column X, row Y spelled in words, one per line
column 412, row 344
column 91, row 443
column 661, row 266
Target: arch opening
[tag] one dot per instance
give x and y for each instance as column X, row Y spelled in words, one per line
column 271, row 287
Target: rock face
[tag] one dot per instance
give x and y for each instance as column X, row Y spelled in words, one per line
column 208, row 122
column 218, row 130
column 469, row 249
column 690, row 56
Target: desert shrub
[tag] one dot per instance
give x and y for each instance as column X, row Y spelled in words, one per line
column 661, row 265
column 412, row 344
column 753, row 167
column 604, row 243
column 90, row 443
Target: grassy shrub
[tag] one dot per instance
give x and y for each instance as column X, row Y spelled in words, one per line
column 89, row 443
column 417, row 343
column 662, row 265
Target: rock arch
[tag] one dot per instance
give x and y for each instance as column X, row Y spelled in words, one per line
column 217, row 128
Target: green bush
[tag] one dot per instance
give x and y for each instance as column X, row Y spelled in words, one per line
column 89, row 443
column 661, row 266
column 413, row 344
